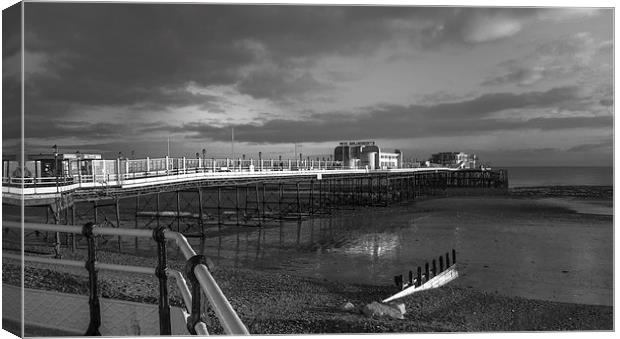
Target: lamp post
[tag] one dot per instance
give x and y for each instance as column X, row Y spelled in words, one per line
column 204, row 158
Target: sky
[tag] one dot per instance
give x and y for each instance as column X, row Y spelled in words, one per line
column 516, row 86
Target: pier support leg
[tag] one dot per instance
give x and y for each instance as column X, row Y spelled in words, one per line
column 219, row 208
column 264, row 202
column 247, row 196
column 321, row 196
column 298, row 203
column 118, row 223
column 237, row 203
column 73, row 242
column 136, row 225
column 178, row 194
column 258, row 214
column 280, row 193
column 311, row 198
column 157, row 217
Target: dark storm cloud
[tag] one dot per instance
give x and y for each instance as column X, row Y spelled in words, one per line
column 470, row 117
column 11, row 30
column 520, row 76
column 560, row 58
column 92, row 131
column 119, row 54
column 11, row 81
column 279, row 85
column 608, row 145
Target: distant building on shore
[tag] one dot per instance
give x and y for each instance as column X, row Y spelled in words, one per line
column 366, row 154
column 454, row 160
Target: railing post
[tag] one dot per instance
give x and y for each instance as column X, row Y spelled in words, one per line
column 190, row 265
column 167, row 170
column 148, row 165
column 93, row 299
column 160, row 272
column 184, row 165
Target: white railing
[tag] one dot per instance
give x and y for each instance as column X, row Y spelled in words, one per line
column 230, row 321
column 105, row 171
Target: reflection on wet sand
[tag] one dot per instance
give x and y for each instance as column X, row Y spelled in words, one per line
column 512, row 246
column 525, row 247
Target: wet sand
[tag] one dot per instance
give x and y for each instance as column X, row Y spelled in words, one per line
column 526, row 262
column 534, row 248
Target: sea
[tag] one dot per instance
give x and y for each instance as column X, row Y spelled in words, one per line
column 560, row 176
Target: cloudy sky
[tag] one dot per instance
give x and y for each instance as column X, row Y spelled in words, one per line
column 517, row 86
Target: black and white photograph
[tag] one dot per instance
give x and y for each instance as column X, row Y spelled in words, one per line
column 238, row 168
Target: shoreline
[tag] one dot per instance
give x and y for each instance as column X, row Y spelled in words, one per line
column 603, row 192
column 271, row 302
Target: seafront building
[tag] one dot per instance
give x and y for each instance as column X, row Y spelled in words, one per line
column 49, row 164
column 366, row 154
column 454, row 160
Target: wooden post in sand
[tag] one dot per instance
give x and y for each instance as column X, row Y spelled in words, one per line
column 419, row 282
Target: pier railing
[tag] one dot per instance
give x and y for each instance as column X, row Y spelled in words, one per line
column 75, row 171
column 196, row 270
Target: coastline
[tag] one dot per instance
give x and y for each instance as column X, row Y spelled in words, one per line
column 273, row 301
column 277, row 303
column 588, row 192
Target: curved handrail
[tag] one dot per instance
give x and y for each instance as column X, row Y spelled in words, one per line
column 229, row 319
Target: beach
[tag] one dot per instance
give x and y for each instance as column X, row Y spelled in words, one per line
column 526, row 263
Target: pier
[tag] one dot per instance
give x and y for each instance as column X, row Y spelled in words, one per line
column 191, row 195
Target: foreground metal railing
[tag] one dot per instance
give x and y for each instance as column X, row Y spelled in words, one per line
column 196, row 270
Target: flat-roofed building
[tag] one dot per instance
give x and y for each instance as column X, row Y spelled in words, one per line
column 454, row 159
column 366, row 154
